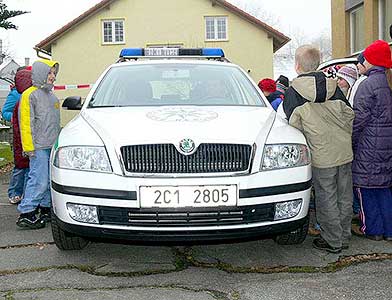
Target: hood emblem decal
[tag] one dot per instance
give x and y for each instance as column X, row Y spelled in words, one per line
column 187, row 146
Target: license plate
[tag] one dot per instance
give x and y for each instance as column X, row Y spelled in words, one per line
column 188, row 196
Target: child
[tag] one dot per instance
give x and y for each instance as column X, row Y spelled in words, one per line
column 39, row 127
column 18, row 176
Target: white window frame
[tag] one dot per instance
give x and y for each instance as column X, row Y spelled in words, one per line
column 383, row 28
column 352, row 41
column 216, row 19
column 113, row 29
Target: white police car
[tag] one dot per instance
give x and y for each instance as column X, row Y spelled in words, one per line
column 177, row 145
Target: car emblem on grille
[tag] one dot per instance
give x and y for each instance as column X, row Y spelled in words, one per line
column 187, row 146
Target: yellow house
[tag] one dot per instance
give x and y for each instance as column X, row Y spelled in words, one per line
column 357, row 23
column 88, row 44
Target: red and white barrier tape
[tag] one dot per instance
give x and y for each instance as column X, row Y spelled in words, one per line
column 57, row 87
column 73, row 86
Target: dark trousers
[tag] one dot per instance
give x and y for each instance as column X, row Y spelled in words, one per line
column 376, row 211
column 334, row 200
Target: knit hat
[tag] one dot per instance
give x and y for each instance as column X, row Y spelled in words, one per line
column 267, row 85
column 348, row 73
column 379, row 54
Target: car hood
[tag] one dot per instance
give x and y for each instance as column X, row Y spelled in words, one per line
column 146, row 125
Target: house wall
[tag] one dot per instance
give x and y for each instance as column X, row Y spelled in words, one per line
column 341, row 24
column 82, row 56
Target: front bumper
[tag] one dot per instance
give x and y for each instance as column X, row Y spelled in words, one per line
column 118, row 196
column 113, row 235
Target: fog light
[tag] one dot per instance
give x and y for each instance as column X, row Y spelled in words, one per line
column 83, row 213
column 289, row 209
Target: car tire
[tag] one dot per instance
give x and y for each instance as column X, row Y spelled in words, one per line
column 294, row 237
column 65, row 240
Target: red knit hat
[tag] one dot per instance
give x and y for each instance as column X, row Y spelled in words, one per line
column 267, row 85
column 379, row 54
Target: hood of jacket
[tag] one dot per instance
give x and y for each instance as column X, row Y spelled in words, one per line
column 315, row 86
column 40, row 73
column 23, row 80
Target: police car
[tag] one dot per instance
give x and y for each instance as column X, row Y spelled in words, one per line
column 177, row 145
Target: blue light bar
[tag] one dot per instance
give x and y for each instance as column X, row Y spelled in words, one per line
column 138, row 52
column 213, row 52
column 131, row 52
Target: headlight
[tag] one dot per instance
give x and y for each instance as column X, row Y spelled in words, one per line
column 280, row 156
column 83, row 158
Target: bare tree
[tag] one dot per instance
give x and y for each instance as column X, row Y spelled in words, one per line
column 256, row 9
column 6, row 14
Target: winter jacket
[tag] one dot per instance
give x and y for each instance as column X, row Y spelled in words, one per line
column 39, row 110
column 317, row 107
column 372, row 132
column 9, row 104
column 22, row 83
column 275, row 99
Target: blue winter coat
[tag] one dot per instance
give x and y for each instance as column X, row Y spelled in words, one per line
column 372, row 132
column 8, row 108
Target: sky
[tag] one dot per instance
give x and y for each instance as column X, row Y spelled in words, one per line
column 47, row 16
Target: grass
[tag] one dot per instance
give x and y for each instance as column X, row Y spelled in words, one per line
column 5, row 154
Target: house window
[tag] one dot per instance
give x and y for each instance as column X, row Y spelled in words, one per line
column 357, row 29
column 385, row 19
column 113, row 31
column 216, row 28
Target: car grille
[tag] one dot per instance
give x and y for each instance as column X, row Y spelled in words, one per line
column 208, row 158
column 186, row 217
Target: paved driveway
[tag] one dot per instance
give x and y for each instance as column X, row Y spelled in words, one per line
column 31, row 267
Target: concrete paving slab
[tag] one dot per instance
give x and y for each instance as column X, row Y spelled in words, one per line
column 268, row 254
column 102, row 258
column 131, row 294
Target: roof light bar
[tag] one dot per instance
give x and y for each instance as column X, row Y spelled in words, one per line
column 167, row 52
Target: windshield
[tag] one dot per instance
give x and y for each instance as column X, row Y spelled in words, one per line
column 175, row 84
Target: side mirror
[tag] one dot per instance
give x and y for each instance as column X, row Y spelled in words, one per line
column 72, row 103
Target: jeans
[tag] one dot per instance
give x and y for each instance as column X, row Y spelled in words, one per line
column 18, row 182
column 37, row 191
column 356, row 205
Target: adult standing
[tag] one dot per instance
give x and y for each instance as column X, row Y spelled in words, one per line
column 372, row 143
column 39, row 127
column 317, row 107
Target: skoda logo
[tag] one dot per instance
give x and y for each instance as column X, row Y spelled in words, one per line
column 187, row 146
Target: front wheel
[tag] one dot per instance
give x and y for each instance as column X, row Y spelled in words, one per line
column 294, row 237
column 65, row 240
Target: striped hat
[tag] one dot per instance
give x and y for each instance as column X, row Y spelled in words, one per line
column 348, row 73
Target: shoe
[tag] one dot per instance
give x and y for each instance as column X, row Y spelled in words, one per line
column 15, row 199
column 321, row 244
column 30, row 221
column 313, row 232
column 374, row 237
column 388, row 238
column 45, row 213
column 356, row 230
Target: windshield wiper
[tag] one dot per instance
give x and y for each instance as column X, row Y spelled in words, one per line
column 104, row 106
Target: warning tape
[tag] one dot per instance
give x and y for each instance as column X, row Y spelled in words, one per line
column 73, row 86
column 58, row 87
